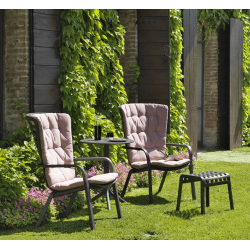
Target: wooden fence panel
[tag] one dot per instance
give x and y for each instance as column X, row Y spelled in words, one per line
column 1, row 70
column 153, row 57
column 46, row 41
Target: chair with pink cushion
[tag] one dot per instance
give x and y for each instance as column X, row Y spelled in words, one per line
column 53, row 137
column 146, row 125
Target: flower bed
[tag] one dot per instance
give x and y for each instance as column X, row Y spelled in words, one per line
column 27, row 210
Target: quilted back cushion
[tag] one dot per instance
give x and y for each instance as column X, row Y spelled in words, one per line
column 146, row 124
column 57, row 148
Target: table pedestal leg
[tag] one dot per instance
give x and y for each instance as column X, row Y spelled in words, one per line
column 107, row 170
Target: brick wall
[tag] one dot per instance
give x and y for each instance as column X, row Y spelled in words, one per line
column 210, row 92
column 128, row 19
column 16, row 66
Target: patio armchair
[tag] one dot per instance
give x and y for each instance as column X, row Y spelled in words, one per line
column 52, row 134
column 146, row 124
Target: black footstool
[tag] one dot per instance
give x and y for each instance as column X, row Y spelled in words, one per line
column 207, row 179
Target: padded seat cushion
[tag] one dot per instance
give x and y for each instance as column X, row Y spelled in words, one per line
column 103, row 178
column 162, row 163
column 77, row 182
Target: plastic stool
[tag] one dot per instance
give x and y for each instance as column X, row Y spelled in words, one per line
column 207, row 179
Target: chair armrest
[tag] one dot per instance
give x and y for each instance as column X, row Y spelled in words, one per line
column 145, row 152
column 96, row 159
column 183, row 146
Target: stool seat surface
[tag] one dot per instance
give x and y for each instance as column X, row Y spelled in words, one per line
column 208, row 175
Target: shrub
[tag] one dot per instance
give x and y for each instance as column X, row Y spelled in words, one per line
column 19, row 171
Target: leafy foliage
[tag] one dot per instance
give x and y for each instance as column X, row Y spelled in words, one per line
column 177, row 99
column 217, row 19
column 91, row 76
column 19, row 170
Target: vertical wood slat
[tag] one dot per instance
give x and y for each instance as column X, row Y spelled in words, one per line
column 1, row 70
column 46, row 39
column 223, row 86
column 236, row 79
column 153, row 45
column 190, row 74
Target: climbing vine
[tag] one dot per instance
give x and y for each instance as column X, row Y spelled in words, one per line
column 217, row 19
column 177, row 99
column 91, row 76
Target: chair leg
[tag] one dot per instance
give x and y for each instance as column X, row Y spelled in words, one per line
column 45, row 209
column 107, row 198
column 150, row 187
column 179, row 194
column 70, row 204
column 230, row 194
column 90, row 209
column 126, row 183
column 117, row 202
column 163, row 180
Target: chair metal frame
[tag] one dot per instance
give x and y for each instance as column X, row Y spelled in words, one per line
column 151, row 167
column 87, row 186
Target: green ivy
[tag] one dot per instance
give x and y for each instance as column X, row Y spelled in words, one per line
column 91, row 76
column 177, row 99
column 217, row 19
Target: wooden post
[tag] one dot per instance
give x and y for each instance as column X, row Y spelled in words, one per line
column 190, row 74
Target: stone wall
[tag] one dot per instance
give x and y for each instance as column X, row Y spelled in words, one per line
column 16, row 67
column 210, row 92
column 128, row 19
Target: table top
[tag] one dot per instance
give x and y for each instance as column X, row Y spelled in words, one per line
column 105, row 141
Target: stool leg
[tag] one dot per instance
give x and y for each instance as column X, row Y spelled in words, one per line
column 193, row 191
column 192, row 183
column 179, row 194
column 230, row 194
column 207, row 196
column 202, row 198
